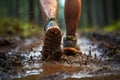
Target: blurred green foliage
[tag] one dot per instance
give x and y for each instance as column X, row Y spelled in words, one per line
column 14, row 27
column 113, row 27
column 108, row 28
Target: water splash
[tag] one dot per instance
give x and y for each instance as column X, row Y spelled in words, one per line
column 88, row 46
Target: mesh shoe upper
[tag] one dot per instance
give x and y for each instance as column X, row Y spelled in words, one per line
column 70, row 41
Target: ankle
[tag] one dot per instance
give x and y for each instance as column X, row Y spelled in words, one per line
column 71, row 37
column 70, row 41
column 50, row 23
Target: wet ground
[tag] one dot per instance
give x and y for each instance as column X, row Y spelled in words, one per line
column 20, row 59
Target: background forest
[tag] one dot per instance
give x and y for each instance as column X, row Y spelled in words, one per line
column 21, row 16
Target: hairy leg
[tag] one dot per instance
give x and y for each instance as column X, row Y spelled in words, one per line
column 48, row 8
column 51, row 49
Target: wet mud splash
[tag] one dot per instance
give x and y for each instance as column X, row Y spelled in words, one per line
column 20, row 59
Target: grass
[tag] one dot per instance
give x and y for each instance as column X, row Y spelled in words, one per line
column 113, row 27
column 108, row 28
column 14, row 27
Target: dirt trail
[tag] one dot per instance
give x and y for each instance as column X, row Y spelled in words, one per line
column 20, row 59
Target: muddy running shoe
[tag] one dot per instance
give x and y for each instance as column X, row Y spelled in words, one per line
column 52, row 42
column 70, row 46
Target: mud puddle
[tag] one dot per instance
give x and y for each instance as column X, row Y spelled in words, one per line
column 25, row 63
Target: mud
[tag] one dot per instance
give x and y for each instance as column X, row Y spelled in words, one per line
column 20, row 59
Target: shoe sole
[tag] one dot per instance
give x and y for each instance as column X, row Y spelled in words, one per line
column 52, row 44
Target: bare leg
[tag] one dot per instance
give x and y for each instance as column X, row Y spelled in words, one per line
column 51, row 49
column 48, row 8
column 72, row 16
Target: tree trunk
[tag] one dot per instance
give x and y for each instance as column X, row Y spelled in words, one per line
column 100, row 13
column 17, row 8
column 116, row 9
column 31, row 10
column 88, row 5
column 109, row 11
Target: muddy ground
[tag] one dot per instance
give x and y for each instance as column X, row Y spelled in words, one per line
column 20, row 59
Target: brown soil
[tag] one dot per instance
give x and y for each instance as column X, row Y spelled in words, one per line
column 20, row 59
